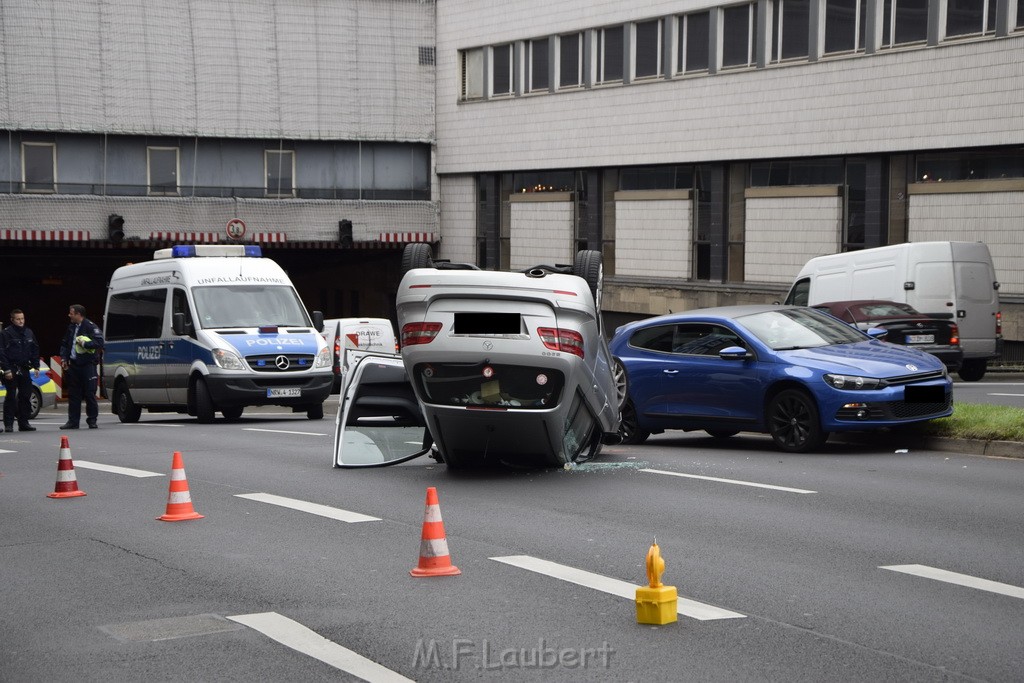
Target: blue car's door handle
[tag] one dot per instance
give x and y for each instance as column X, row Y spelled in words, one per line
column 671, row 372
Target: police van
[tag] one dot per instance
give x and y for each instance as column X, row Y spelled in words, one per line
column 203, row 329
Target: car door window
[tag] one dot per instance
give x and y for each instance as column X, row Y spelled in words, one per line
column 702, row 339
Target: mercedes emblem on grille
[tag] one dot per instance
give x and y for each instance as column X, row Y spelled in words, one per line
column 282, row 362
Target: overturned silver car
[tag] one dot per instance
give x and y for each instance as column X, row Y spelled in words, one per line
column 508, row 367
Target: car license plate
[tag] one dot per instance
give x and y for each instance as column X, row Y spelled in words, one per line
column 284, row 392
column 924, row 394
column 920, row 338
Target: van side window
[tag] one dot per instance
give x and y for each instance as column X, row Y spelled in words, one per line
column 136, row 315
column 179, row 304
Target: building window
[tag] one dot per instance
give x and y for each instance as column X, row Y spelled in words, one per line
column 814, row 171
column 609, row 54
column 501, row 70
column 970, row 17
column 694, row 42
column 656, row 178
column 647, row 49
column 544, row 181
column 539, row 65
column 790, row 24
column 426, row 55
column 280, row 173
column 844, row 25
column 39, row 167
column 472, row 62
column 1020, row 14
column 904, row 21
column 987, row 165
column 570, row 60
column 162, row 170
column 738, row 36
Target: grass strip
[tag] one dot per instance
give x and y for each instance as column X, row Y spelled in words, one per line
column 978, row 421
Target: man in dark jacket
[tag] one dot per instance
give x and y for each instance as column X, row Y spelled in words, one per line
column 19, row 356
column 79, row 353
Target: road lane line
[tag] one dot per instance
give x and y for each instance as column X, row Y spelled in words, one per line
column 281, row 431
column 623, row 589
column 301, row 639
column 152, row 424
column 312, row 508
column 958, row 579
column 1006, row 394
column 729, row 481
column 115, row 469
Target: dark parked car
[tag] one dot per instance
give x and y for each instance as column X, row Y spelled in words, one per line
column 793, row 372
column 904, row 325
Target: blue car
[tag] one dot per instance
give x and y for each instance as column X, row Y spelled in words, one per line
column 792, row 372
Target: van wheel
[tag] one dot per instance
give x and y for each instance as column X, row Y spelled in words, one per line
column 417, row 255
column 972, row 370
column 124, row 406
column 35, row 403
column 203, row 402
column 589, row 265
column 793, row 422
column 232, row 414
column 315, row 412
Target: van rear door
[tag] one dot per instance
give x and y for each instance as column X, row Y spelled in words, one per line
column 976, row 306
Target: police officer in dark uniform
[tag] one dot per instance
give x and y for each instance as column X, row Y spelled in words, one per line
column 79, row 353
column 19, row 356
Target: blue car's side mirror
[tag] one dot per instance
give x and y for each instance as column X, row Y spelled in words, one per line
column 733, row 353
column 877, row 332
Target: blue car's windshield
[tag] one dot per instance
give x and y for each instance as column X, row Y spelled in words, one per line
column 799, row 328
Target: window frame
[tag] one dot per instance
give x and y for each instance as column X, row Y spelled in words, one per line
column 602, row 54
column 493, row 65
column 266, row 168
column 579, row 62
column 683, row 33
column 531, row 75
column 659, row 56
column 859, row 27
column 751, row 36
column 889, row 24
column 52, row 183
column 988, row 12
column 778, row 32
column 149, row 171
column 471, row 62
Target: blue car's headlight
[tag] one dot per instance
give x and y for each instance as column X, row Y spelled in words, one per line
column 852, row 382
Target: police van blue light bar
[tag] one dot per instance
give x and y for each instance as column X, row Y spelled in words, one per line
column 192, row 250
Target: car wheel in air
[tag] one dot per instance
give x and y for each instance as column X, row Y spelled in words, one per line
column 232, row 414
column 35, row 402
column 124, row 406
column 722, row 433
column 204, row 402
column 621, row 384
column 417, row 255
column 589, row 265
column 793, row 422
column 631, row 434
column 972, row 370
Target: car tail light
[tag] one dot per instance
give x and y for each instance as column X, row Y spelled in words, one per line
column 419, row 333
column 954, row 335
column 557, row 339
column 999, row 322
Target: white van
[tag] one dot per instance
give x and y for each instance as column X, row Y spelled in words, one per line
column 951, row 280
column 208, row 328
column 349, row 339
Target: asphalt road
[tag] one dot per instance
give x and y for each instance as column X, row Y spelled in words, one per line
column 1005, row 389
column 857, row 563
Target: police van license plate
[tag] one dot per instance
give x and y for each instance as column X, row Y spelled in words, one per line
column 920, row 338
column 284, row 392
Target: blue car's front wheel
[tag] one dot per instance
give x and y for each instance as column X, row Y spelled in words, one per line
column 793, row 422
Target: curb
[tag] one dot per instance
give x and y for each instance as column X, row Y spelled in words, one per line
column 998, row 449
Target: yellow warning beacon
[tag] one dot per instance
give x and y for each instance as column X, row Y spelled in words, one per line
column 656, row 603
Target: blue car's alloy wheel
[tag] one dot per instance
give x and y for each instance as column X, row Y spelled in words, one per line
column 793, row 422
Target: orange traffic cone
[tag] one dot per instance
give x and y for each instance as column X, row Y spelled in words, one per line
column 434, row 558
column 67, row 484
column 179, row 502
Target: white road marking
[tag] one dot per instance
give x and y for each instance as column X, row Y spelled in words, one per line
column 281, row 431
column 623, row 589
column 729, row 481
column 958, row 579
column 6, row 451
column 1006, row 394
column 312, row 508
column 152, row 424
column 115, row 469
column 301, row 639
